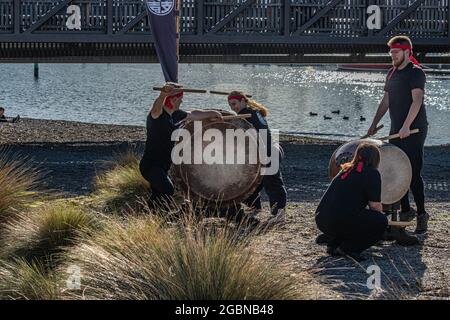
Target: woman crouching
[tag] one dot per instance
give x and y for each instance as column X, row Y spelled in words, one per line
column 350, row 212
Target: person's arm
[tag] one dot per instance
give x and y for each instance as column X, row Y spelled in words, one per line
column 373, row 190
column 381, row 111
column 168, row 90
column 417, row 95
column 376, row 206
column 200, row 115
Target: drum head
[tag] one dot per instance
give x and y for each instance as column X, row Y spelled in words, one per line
column 225, row 183
column 395, row 168
column 396, row 173
column 345, row 154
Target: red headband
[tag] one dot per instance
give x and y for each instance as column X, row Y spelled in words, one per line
column 406, row 47
column 236, row 98
column 401, row 46
column 168, row 101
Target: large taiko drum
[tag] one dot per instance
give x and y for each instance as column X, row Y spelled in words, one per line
column 395, row 167
column 220, row 184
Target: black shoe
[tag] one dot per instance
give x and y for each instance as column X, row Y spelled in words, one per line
column 402, row 237
column 388, row 235
column 408, row 215
column 422, row 223
column 323, row 239
column 332, row 251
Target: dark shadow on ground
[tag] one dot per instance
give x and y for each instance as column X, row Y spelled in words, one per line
column 401, row 271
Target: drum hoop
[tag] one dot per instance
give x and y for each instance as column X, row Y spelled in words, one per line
column 253, row 185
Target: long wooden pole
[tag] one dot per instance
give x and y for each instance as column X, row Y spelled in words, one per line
column 192, row 90
column 376, row 130
column 396, row 136
column 232, row 117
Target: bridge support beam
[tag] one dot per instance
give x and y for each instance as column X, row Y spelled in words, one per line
column 200, row 17
column 16, row 16
column 110, row 17
column 286, row 18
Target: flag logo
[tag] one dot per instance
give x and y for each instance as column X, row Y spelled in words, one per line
column 160, row 8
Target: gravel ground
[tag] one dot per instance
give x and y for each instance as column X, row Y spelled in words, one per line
column 71, row 154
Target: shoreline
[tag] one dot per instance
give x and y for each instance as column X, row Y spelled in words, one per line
column 72, row 154
column 30, row 131
column 42, row 131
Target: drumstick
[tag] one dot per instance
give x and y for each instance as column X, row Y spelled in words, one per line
column 184, row 90
column 376, row 130
column 238, row 116
column 396, row 136
column 400, row 223
column 223, row 93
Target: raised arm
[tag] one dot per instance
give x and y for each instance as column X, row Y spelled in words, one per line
column 168, row 90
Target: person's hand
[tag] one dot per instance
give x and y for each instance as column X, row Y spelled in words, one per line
column 372, row 130
column 216, row 117
column 170, row 89
column 404, row 132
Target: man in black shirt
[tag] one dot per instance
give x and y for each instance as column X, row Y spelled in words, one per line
column 404, row 98
column 162, row 120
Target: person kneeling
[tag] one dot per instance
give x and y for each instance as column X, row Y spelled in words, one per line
column 350, row 211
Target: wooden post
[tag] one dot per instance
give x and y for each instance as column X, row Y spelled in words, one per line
column 36, row 70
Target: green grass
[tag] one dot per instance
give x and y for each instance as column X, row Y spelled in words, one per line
column 122, row 188
column 47, row 230
column 18, row 181
column 145, row 260
column 23, row 280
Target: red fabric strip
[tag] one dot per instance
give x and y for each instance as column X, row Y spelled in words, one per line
column 168, row 101
column 235, row 98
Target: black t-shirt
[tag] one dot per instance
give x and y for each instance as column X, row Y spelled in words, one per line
column 158, row 147
column 259, row 122
column 399, row 84
column 346, row 198
column 3, row 119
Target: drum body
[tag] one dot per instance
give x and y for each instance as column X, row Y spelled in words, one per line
column 223, row 184
column 395, row 167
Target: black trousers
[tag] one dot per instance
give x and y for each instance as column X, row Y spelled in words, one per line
column 274, row 187
column 162, row 188
column 355, row 234
column 413, row 146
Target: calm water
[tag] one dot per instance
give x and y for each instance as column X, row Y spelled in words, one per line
column 121, row 94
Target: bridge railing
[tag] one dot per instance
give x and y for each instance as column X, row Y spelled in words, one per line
column 286, row 21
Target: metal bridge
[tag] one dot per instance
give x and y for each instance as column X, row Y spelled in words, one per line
column 227, row 31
